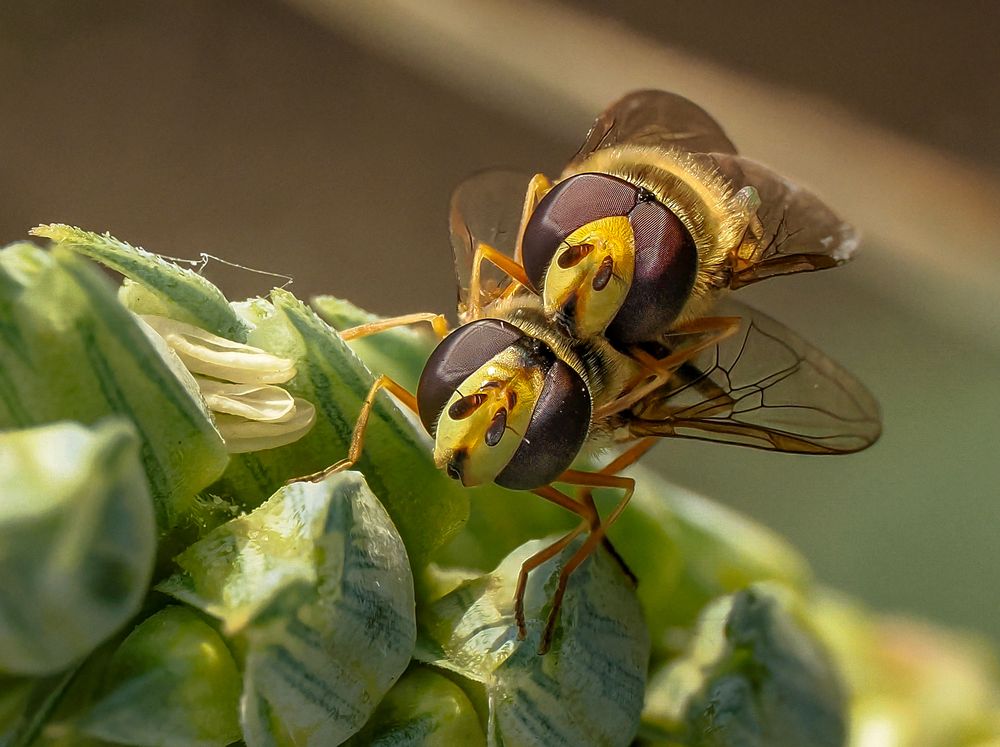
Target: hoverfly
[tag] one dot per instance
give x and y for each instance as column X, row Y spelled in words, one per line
column 584, row 319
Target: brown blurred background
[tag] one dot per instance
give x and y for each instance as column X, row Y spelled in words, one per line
column 321, row 139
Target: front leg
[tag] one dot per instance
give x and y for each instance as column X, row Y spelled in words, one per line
column 358, row 434
column 538, row 187
column 512, row 267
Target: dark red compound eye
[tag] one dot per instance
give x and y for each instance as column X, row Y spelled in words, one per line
column 555, row 434
column 666, row 264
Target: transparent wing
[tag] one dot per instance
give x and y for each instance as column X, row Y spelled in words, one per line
column 763, row 387
column 655, row 118
column 486, row 208
column 800, row 233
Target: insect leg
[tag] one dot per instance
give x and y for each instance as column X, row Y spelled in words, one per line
column 437, row 322
column 358, row 434
column 594, row 480
column 485, row 252
column 538, row 187
column 627, row 458
column 533, row 562
column 590, row 520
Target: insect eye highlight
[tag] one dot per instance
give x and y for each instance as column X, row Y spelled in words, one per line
column 497, row 427
column 465, row 406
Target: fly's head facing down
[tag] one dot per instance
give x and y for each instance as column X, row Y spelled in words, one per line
column 609, row 259
column 502, row 407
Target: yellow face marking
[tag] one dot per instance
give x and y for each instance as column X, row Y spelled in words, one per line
column 470, row 421
column 590, row 275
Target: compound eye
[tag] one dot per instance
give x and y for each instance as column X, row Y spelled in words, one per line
column 457, row 356
column 555, row 434
column 666, row 265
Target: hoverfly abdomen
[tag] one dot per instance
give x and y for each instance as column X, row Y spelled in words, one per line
column 502, row 406
column 608, row 258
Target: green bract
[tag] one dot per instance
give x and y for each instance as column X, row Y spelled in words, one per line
column 153, row 284
column 426, row 506
column 171, row 682
column 70, row 351
column 752, row 677
column 424, row 708
column 315, row 589
column 77, row 540
column 587, row 690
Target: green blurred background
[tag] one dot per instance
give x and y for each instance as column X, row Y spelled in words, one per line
column 321, row 139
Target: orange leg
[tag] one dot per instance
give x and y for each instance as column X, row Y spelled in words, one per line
column 592, row 480
column 485, row 252
column 530, row 564
column 586, row 509
column 358, row 435
column 538, row 187
column 586, row 496
column 437, row 322
column 714, row 329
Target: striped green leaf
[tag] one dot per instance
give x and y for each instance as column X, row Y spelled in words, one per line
column 70, row 351
column 172, row 681
column 588, row 689
column 426, row 506
column 315, row 588
column 77, row 541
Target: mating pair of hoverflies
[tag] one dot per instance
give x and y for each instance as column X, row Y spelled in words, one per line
column 593, row 312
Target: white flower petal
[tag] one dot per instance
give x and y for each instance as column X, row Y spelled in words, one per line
column 252, row 401
column 211, row 355
column 242, row 435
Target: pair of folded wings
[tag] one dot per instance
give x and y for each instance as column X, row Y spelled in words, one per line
column 764, row 386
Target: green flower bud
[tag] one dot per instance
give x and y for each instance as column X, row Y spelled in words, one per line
column 171, row 682
column 77, row 540
column 315, row 589
column 587, row 689
column 753, row 676
column 70, row 351
column 423, row 709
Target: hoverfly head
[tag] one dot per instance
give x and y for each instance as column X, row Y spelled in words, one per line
column 608, row 259
column 502, row 407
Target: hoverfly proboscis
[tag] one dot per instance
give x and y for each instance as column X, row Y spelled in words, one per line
column 592, row 313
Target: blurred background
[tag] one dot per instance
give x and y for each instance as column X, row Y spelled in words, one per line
column 321, row 139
